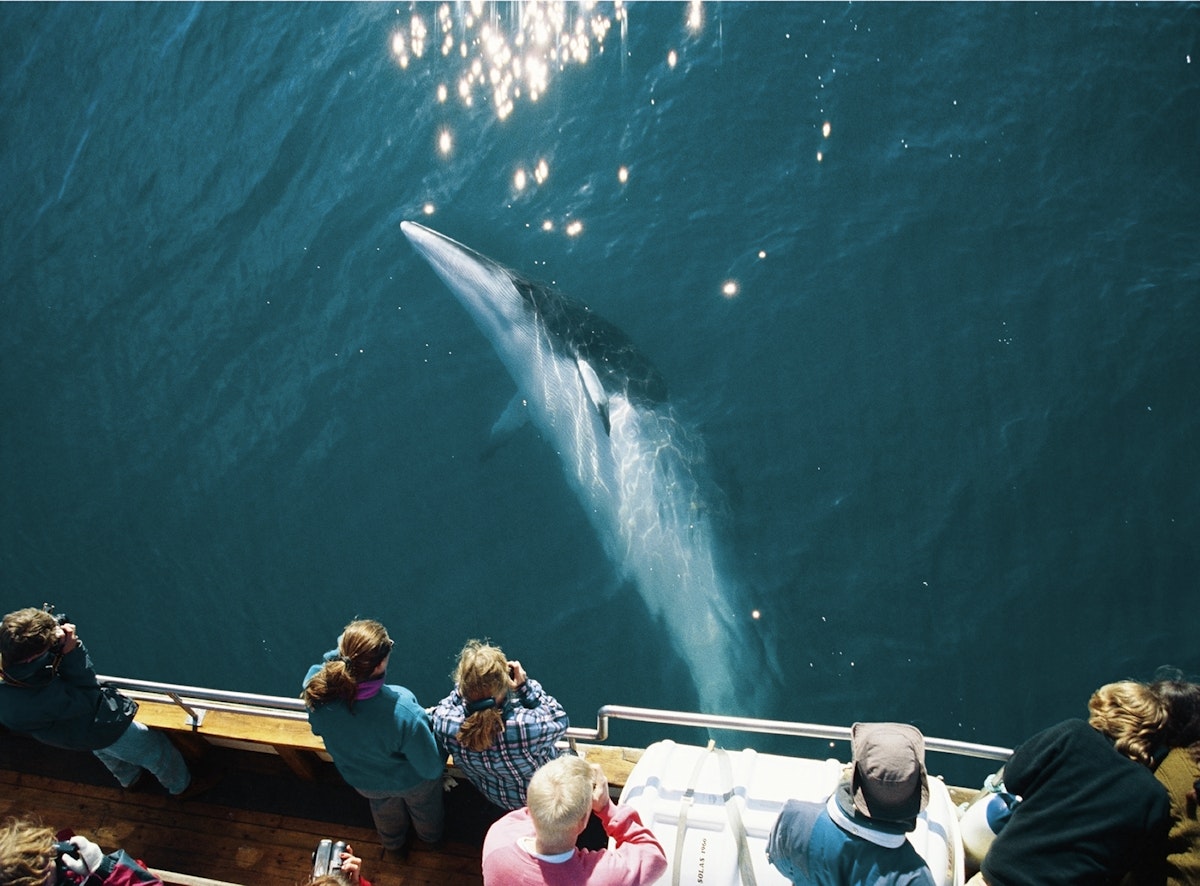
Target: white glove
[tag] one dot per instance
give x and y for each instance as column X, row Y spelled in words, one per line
column 90, row 857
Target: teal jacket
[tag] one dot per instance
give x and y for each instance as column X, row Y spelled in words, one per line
column 383, row 744
column 67, row 709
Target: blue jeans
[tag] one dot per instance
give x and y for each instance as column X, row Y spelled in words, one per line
column 393, row 812
column 140, row 748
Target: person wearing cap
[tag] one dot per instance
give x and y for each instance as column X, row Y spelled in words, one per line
column 857, row 836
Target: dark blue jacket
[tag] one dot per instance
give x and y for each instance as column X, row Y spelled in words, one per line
column 67, row 708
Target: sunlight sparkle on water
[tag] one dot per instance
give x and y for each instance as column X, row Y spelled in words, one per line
column 445, row 143
column 510, row 51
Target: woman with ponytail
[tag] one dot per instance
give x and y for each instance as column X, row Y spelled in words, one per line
column 498, row 724
column 377, row 734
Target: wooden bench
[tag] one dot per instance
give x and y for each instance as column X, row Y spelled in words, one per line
column 294, row 742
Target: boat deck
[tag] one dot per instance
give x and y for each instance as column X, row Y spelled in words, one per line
column 259, row 824
column 278, row 795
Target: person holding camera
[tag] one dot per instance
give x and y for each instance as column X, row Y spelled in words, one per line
column 48, row 690
column 535, row 846
column 498, row 724
column 335, row 864
column 377, row 735
column 32, row 855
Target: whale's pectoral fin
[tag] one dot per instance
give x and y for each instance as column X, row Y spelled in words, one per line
column 511, row 420
column 595, row 390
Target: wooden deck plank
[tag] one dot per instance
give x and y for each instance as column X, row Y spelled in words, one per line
column 258, row 826
column 260, row 823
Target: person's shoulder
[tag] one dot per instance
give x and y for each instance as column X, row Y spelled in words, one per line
column 796, row 811
column 1072, row 727
column 507, row 828
column 1179, row 766
column 1070, row 732
column 402, row 696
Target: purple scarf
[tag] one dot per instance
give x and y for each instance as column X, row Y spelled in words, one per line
column 369, row 688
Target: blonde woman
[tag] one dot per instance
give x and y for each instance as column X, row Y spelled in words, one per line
column 33, row 855
column 498, row 724
column 1132, row 715
column 1091, row 811
column 378, row 735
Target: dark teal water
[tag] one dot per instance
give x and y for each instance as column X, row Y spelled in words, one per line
column 952, row 407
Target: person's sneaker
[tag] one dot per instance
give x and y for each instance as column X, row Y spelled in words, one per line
column 201, row 782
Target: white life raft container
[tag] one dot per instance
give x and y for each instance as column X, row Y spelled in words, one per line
column 713, row 811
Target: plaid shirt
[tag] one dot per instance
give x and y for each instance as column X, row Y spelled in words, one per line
column 532, row 725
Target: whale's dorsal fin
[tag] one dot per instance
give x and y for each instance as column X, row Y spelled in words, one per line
column 595, row 390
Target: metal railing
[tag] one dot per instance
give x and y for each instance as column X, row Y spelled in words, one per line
column 195, row 699
column 773, row 727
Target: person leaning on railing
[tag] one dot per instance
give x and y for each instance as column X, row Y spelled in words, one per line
column 377, row 735
column 1091, row 811
column 856, row 836
column 33, row 855
column 48, row 690
column 498, row 724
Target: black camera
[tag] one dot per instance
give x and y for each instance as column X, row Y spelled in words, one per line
column 327, row 857
column 60, row 619
column 61, row 848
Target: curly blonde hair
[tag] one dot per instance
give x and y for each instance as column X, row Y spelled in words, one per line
column 482, row 673
column 1132, row 715
column 26, row 852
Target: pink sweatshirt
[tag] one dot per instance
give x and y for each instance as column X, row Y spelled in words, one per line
column 637, row 860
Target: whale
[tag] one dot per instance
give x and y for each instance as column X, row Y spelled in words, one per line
column 637, row 469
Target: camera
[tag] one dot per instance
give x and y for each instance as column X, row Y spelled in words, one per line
column 61, row 848
column 327, row 857
column 60, row 619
